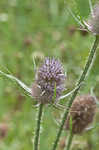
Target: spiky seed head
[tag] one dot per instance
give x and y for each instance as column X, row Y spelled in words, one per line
column 50, row 81
column 93, row 22
column 82, row 113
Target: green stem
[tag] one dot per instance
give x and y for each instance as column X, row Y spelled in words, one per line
column 37, row 133
column 82, row 78
column 69, row 141
column 90, row 59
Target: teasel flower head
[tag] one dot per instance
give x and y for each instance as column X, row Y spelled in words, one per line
column 82, row 113
column 50, row 81
column 93, row 22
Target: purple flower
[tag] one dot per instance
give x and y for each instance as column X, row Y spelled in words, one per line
column 50, row 81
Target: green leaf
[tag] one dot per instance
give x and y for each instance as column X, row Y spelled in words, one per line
column 25, row 87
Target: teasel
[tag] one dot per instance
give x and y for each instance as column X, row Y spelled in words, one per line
column 82, row 113
column 49, row 81
column 93, row 21
column 82, row 78
column 47, row 88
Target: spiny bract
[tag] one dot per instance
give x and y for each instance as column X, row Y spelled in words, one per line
column 93, row 23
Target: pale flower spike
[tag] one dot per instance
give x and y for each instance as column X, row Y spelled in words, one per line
column 25, row 87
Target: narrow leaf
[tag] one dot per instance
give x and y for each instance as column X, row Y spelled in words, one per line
column 18, row 81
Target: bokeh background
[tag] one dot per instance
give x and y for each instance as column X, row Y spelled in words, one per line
column 40, row 28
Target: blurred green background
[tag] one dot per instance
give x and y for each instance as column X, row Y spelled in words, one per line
column 39, row 28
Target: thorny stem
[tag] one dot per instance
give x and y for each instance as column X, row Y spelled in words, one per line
column 82, row 78
column 37, row 133
column 89, row 61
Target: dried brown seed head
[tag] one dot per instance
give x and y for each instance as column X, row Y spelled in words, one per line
column 82, row 113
